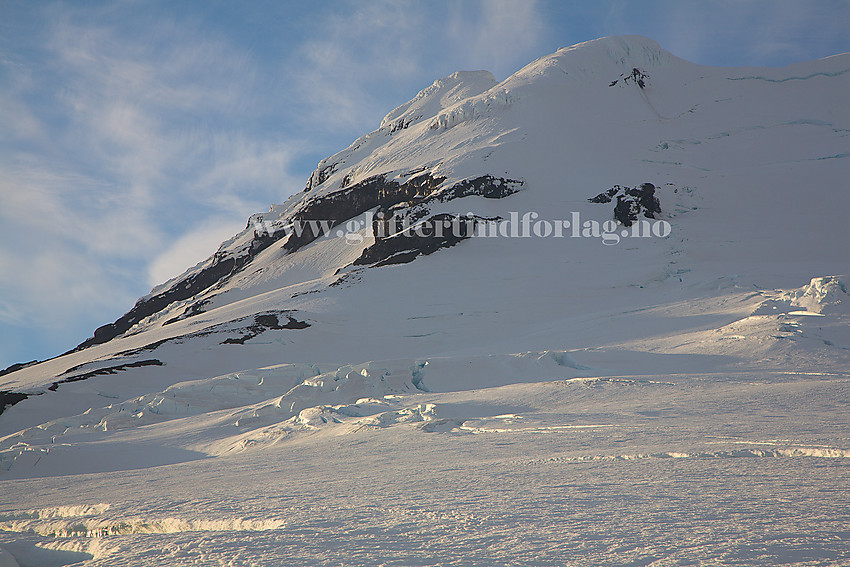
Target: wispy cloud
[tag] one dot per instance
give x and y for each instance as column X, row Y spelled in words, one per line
column 191, row 248
column 732, row 32
column 366, row 53
column 499, row 35
column 115, row 155
column 798, row 31
column 354, row 52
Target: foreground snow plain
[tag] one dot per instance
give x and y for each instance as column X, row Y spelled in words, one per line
column 508, row 401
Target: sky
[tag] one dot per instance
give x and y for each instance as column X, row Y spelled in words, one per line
column 137, row 135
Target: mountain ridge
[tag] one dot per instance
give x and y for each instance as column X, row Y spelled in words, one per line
column 624, row 51
column 564, row 128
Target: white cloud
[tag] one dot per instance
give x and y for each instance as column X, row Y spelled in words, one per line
column 47, row 287
column 791, row 30
column 113, row 149
column 239, row 166
column 366, row 51
column 361, row 47
column 498, row 35
column 191, row 248
column 731, row 32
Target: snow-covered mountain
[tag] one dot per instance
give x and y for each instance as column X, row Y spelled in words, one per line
column 612, row 256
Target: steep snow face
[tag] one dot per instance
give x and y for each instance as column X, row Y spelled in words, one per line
column 443, row 93
column 601, row 58
column 742, row 161
column 615, row 111
column 612, row 111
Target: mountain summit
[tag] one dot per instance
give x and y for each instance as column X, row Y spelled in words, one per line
column 501, row 257
column 741, row 162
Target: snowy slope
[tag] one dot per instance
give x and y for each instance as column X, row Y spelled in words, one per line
column 605, row 369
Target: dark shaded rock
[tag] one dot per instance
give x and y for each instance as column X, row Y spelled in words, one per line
column 402, row 124
column 379, row 192
column 271, row 321
column 649, row 203
column 607, row 196
column 193, row 309
column 432, row 234
column 637, row 77
column 355, row 200
column 112, row 370
column 626, row 210
column 262, row 323
column 103, row 371
column 405, row 231
column 8, row 399
column 486, row 186
column 631, row 202
column 320, row 175
column 347, row 279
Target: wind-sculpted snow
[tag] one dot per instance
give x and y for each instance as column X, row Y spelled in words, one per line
column 94, row 526
column 275, row 401
column 471, row 109
column 823, row 295
column 550, row 467
column 442, row 94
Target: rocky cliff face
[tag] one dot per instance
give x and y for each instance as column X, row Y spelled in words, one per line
column 396, row 203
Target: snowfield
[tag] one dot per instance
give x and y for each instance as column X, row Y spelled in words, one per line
column 355, row 399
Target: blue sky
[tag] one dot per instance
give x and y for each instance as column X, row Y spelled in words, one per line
column 137, row 135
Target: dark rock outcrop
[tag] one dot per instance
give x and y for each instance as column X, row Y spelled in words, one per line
column 423, row 238
column 355, row 200
column 264, row 322
column 607, row 196
column 404, row 231
column 8, row 399
column 631, row 202
column 220, row 268
column 386, row 195
column 637, row 77
column 193, row 309
column 104, row 371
